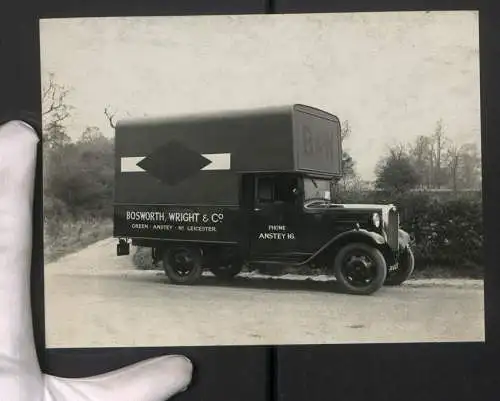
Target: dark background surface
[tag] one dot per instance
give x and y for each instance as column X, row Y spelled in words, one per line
column 355, row 372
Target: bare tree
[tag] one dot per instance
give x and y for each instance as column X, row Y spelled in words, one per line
column 421, row 154
column 110, row 116
column 348, row 164
column 439, row 144
column 55, row 110
column 91, row 134
column 440, row 162
column 54, row 106
column 429, row 156
column 470, row 166
column 453, row 157
column 398, row 151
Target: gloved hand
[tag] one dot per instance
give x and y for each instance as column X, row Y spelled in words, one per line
column 156, row 379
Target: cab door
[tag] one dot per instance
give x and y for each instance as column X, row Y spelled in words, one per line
column 275, row 223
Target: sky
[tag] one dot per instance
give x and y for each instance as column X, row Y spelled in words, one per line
column 391, row 75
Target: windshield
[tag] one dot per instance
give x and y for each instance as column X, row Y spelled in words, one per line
column 317, row 189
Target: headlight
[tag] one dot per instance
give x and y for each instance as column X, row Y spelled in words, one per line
column 376, row 220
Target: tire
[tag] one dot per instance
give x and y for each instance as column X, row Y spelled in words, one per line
column 358, row 285
column 404, row 269
column 182, row 265
column 224, row 265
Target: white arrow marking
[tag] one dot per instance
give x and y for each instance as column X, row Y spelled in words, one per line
column 218, row 161
column 129, row 164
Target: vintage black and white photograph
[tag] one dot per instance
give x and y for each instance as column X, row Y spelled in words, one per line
column 262, row 179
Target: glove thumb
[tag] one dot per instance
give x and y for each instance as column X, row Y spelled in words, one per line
column 156, row 379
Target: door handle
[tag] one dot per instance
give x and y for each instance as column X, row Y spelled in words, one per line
column 257, row 209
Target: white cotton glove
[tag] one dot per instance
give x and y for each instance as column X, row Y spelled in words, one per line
column 156, row 379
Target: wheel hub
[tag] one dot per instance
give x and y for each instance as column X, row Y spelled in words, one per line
column 358, row 264
column 358, row 270
column 183, row 263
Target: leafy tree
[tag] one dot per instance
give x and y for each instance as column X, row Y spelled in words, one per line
column 84, row 179
column 396, row 173
column 78, row 176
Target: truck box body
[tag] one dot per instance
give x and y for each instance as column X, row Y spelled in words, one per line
column 186, row 171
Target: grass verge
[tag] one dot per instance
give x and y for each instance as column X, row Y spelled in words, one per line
column 444, row 272
column 63, row 238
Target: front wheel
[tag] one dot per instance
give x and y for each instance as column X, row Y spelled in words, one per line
column 182, row 265
column 404, row 269
column 360, row 269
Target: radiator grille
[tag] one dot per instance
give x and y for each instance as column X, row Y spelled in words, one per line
column 392, row 228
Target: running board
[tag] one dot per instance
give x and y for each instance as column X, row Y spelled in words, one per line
column 290, row 262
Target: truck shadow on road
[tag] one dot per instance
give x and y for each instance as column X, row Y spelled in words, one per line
column 259, row 283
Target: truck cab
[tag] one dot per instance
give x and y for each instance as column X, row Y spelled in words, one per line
column 261, row 210
column 293, row 219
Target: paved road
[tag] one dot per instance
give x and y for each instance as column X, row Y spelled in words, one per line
column 94, row 298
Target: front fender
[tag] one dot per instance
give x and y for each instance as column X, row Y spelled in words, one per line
column 353, row 235
column 356, row 235
column 376, row 237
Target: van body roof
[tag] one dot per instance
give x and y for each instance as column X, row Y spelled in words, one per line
column 227, row 113
column 199, row 158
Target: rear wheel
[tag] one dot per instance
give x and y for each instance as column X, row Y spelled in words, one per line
column 182, row 264
column 360, row 269
column 404, row 269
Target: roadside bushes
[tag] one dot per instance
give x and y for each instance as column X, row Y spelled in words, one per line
column 78, row 193
column 64, row 236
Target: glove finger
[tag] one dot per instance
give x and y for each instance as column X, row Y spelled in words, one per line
column 18, row 146
column 156, row 379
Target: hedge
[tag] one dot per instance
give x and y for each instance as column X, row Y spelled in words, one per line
column 446, row 228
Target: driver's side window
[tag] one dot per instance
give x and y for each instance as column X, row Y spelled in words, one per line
column 266, row 189
column 276, row 189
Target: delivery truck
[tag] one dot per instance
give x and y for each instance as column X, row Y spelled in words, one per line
column 220, row 191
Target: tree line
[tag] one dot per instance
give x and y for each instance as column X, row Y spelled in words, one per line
column 430, row 162
column 78, row 174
